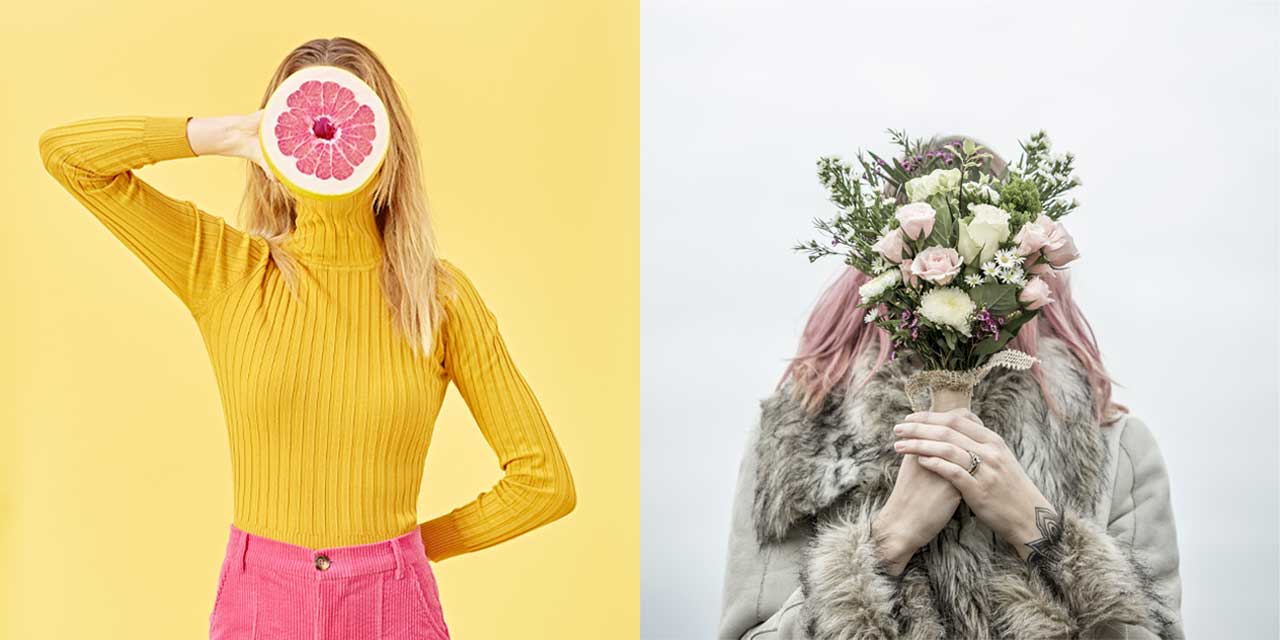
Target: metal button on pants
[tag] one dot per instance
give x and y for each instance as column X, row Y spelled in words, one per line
column 270, row 589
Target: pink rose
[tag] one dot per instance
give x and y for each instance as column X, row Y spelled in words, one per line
column 890, row 246
column 1061, row 248
column 916, row 219
column 1045, row 237
column 907, row 277
column 1040, row 268
column 938, row 265
column 1035, row 294
column 1034, row 235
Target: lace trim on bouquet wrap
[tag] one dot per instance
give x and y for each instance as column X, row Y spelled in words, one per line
column 962, row 380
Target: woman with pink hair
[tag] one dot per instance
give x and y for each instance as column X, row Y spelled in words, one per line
column 846, row 521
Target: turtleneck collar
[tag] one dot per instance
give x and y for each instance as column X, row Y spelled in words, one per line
column 337, row 232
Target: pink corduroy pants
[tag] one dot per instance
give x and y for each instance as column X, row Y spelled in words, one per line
column 273, row 590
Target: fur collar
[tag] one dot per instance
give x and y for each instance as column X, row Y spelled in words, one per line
column 808, row 463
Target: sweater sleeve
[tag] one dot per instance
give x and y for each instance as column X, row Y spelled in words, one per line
column 195, row 254
column 537, row 487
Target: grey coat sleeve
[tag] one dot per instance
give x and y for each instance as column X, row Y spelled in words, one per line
column 761, row 595
column 1123, row 582
column 850, row 593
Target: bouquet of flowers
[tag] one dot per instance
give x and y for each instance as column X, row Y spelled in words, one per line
column 957, row 256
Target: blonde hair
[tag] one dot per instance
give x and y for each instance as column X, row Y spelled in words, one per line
column 412, row 276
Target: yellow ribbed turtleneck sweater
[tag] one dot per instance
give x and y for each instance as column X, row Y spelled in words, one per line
column 329, row 412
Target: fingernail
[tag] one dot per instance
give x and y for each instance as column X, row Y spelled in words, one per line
column 899, row 428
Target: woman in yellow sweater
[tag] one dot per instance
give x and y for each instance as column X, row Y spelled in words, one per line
column 334, row 330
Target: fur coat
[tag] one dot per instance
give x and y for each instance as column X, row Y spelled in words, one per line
column 802, row 564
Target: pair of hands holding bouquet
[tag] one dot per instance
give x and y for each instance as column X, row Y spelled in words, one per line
column 959, row 259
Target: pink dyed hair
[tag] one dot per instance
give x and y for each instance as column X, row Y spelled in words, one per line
column 835, row 336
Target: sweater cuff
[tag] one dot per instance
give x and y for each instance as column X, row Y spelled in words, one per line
column 165, row 138
column 442, row 539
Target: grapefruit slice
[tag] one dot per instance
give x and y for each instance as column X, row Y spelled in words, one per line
column 324, row 132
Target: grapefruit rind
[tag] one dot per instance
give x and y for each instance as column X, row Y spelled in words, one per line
column 284, row 166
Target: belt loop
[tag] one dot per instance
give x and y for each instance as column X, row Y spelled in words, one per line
column 395, row 549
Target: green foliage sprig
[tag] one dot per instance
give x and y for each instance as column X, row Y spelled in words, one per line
column 1051, row 174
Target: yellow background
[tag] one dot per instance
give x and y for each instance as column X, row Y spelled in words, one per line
column 116, row 474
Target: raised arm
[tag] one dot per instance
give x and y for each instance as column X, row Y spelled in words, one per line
column 537, row 487
column 196, row 255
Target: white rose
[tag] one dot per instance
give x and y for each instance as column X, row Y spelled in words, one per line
column 919, row 189
column 948, row 179
column 879, row 284
column 948, row 306
column 982, row 233
column 938, row 181
column 968, row 249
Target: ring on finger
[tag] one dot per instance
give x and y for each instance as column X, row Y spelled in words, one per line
column 974, row 461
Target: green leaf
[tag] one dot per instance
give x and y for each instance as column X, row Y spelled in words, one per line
column 1014, row 324
column 950, row 338
column 986, row 348
column 895, row 173
column 969, row 147
column 943, row 225
column 999, row 298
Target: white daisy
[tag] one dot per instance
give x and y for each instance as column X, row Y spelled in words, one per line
column 871, row 315
column 1016, row 276
column 1007, row 259
column 972, row 280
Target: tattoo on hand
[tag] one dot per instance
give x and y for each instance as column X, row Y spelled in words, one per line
column 1050, row 525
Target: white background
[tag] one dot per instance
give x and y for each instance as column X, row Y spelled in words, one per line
column 1172, row 112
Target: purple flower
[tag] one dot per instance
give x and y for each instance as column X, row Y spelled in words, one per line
column 989, row 322
column 909, row 322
